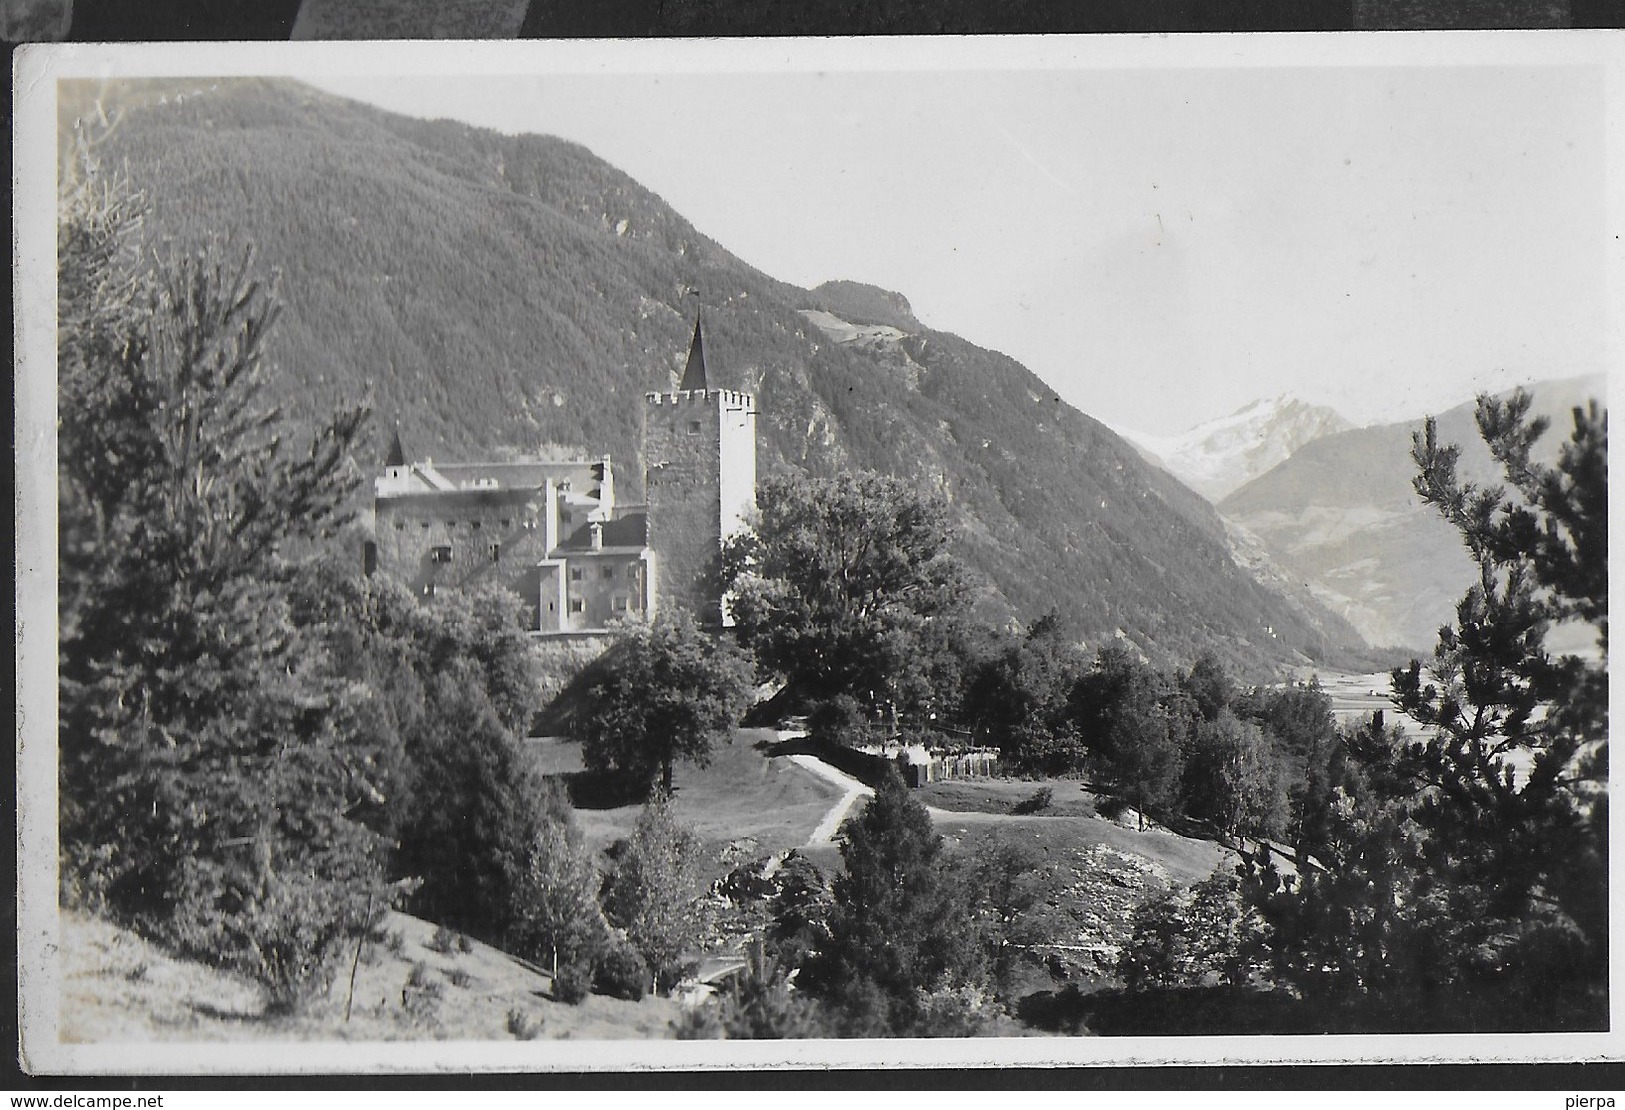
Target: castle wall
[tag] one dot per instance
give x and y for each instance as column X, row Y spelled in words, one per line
column 453, row 540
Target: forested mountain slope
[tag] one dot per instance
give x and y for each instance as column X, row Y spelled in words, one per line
column 493, row 293
column 1341, row 515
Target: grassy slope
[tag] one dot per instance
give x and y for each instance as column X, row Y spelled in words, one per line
column 745, row 805
column 117, row 987
column 743, row 801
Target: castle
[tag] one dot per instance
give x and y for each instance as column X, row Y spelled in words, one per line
column 554, row 533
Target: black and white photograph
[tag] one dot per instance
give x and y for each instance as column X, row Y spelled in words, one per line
column 552, row 556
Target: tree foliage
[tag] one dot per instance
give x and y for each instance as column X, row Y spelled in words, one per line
column 900, row 924
column 556, row 910
column 1019, row 698
column 1134, row 729
column 1006, row 881
column 449, row 686
column 1206, row 935
column 663, row 692
column 207, row 781
column 1466, row 873
column 836, row 585
column 1232, row 779
column 654, row 891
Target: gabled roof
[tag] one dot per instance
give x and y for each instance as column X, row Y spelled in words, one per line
column 694, row 372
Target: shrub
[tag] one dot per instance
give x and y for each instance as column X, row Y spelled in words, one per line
column 287, row 943
column 702, row 1023
column 442, row 941
column 464, row 945
column 573, row 983
column 952, row 1012
column 459, row 977
column 621, row 973
column 1036, row 802
column 523, row 1025
column 421, row 996
column 757, row 1003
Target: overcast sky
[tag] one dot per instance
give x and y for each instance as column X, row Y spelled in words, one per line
column 1160, row 245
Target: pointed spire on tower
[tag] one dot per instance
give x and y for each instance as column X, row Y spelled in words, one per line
column 397, row 453
column 694, row 372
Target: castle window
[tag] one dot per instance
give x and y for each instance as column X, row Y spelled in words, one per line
column 474, row 524
column 575, row 574
column 618, row 604
column 399, row 524
column 496, row 553
column 369, row 557
column 425, row 526
column 507, row 522
column 428, row 589
column 440, row 553
column 609, row 571
column 577, row 605
column 693, row 427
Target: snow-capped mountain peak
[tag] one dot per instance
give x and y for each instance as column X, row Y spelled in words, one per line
column 1221, row 455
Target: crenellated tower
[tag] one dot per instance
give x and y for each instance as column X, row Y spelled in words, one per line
column 699, row 454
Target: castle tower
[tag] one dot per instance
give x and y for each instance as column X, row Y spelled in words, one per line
column 699, row 451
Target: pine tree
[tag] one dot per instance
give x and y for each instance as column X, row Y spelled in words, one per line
column 206, row 779
column 1461, row 880
column 1514, row 774
column 900, row 925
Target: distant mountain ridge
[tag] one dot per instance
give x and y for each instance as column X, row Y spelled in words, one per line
column 1221, row 455
column 1341, row 516
column 492, row 293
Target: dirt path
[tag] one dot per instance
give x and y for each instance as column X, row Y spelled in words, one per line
column 1190, row 860
column 827, row 828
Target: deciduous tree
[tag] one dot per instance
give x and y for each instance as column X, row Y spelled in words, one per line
column 557, row 911
column 654, row 891
column 834, row 586
column 665, row 691
column 1231, row 778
